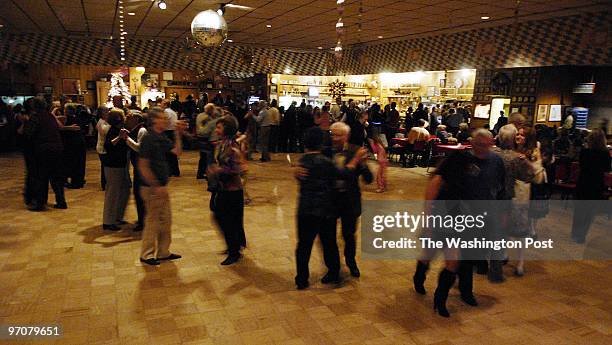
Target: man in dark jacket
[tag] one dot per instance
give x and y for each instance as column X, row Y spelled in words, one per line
column 347, row 195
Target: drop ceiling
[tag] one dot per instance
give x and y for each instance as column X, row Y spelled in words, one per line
column 304, row 24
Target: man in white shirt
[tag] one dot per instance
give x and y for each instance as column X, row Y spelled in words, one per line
column 264, row 120
column 172, row 117
column 102, row 128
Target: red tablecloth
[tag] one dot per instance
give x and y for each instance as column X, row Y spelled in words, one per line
column 448, row 148
column 404, row 141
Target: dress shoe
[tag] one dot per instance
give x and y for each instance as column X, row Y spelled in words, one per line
column 302, row 286
column 36, row 207
column 469, row 300
column 151, row 261
column 230, row 260
column 355, row 271
column 61, row 206
column 111, row 227
column 170, row 257
column 330, row 278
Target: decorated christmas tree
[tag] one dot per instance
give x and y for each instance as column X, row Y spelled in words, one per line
column 118, row 88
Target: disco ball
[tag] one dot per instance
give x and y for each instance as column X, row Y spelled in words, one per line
column 209, row 28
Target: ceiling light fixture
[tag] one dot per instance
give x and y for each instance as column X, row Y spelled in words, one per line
column 339, row 2
column 230, row 41
column 131, row 14
column 240, row 7
column 268, row 26
column 287, row 70
column 319, row 47
column 380, row 37
column 485, row 17
column 162, row 5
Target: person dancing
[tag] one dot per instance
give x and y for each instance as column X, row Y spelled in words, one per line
column 228, row 197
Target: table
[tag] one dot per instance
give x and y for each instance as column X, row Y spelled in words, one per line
column 452, row 148
column 403, row 142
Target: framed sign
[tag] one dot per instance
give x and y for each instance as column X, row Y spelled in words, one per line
column 542, row 112
column 482, row 111
column 71, row 86
column 554, row 114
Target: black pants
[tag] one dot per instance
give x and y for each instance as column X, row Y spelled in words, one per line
column 77, row 173
column 584, row 214
column 172, row 159
column 136, row 183
column 102, row 177
column 29, row 185
column 308, row 229
column 228, row 207
column 206, row 157
column 349, row 227
column 49, row 169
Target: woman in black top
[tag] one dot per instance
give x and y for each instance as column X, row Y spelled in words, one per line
column 116, row 171
column 594, row 164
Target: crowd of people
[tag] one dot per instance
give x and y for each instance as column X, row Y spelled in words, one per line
column 336, row 141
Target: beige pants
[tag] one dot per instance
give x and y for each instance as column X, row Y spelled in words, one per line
column 156, row 236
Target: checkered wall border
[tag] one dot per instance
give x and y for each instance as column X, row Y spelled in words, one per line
column 584, row 39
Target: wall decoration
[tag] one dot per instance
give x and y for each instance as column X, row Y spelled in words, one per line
column 555, row 113
column 482, row 111
column 71, row 86
column 150, row 81
column 167, row 76
column 48, row 90
column 337, row 89
column 542, row 112
column 91, row 85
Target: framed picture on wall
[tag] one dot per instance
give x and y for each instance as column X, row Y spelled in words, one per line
column 542, row 112
column 48, row 90
column 555, row 113
column 515, row 110
column 71, row 86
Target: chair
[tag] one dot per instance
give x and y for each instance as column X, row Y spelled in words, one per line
column 566, row 180
column 417, row 151
column 433, row 156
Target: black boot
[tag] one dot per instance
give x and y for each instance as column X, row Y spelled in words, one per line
column 445, row 282
column 419, row 277
column 466, row 282
column 496, row 272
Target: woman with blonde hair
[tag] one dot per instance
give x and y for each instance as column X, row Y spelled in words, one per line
column 528, row 146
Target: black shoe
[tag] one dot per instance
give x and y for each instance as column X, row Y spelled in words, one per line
column 302, row 286
column 151, row 261
column 36, row 208
column 469, row 300
column 482, row 267
column 170, row 257
column 419, row 277
column 440, row 307
column 355, row 271
column 230, row 260
column 330, row 278
column 111, row 227
column 61, row 206
column 138, row 228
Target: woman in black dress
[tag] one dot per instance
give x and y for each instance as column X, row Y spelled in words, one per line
column 594, row 164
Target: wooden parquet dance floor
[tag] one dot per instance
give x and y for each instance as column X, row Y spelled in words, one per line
column 59, row 267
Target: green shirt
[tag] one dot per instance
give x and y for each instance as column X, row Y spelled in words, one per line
column 154, row 147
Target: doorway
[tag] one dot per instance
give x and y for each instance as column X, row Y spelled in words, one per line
column 498, row 105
